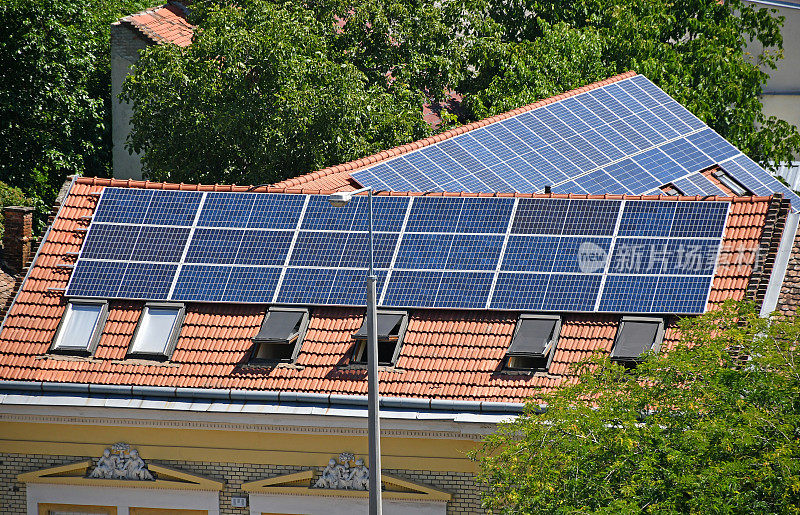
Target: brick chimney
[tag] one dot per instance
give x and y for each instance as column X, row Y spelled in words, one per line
column 17, row 237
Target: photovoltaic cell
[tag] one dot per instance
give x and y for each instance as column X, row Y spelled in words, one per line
column 544, row 254
column 624, row 137
column 172, row 207
column 251, row 284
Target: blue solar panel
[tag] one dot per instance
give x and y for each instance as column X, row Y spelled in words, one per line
column 625, row 137
column 264, row 247
column 653, row 218
column 251, row 284
column 227, row 210
column 628, row 293
column 424, row 251
column 474, row 252
column 445, row 252
column 306, row 286
column 349, row 286
column 217, row 246
column 412, row 288
column 540, row 216
column 530, row 253
column 110, row 242
column 699, row 220
column 146, row 281
column 163, row 244
column 519, row 291
column 580, row 254
column 464, row 290
column 96, row 278
column 203, row 283
column 592, row 217
column 571, row 292
column 123, row 205
column 172, row 207
column 599, row 182
column 681, row 294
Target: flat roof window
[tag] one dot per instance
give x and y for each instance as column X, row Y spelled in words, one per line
column 80, row 327
column 635, row 337
column 534, row 342
column 391, row 327
column 732, row 184
column 281, row 335
column 157, row 331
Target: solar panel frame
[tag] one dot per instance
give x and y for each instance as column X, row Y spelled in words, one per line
column 463, row 252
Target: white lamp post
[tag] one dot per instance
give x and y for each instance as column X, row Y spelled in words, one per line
column 374, row 432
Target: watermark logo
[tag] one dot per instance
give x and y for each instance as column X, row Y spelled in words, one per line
column 591, row 257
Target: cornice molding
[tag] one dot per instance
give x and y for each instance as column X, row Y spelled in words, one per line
column 230, row 426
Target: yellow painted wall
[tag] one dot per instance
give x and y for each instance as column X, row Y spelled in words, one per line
column 232, row 446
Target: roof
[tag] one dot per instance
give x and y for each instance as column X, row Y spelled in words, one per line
column 165, row 24
column 339, row 175
column 447, row 354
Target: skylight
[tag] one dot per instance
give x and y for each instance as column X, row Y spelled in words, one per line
column 391, row 326
column 80, row 327
column 157, row 331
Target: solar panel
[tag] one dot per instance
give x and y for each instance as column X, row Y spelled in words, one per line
column 544, row 254
column 625, row 137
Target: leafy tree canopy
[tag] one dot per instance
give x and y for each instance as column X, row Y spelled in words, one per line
column 55, row 90
column 698, row 51
column 698, row 429
column 270, row 90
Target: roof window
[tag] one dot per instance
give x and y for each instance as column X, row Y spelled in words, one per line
column 80, row 327
column 533, row 344
column 391, row 327
column 636, row 336
column 157, row 331
column 281, row 335
column 732, row 184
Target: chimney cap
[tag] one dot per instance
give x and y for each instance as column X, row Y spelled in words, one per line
column 20, row 209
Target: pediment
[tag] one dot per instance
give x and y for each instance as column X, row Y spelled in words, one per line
column 78, row 474
column 302, row 483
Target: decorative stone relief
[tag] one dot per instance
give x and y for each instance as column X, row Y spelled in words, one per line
column 347, row 474
column 121, row 462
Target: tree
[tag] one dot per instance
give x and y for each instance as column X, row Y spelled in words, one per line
column 696, row 50
column 269, row 91
column 55, row 91
column 711, row 426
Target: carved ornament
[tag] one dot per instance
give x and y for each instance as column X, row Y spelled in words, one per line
column 348, row 473
column 121, row 462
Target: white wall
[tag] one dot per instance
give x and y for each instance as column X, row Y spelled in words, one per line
column 122, row 498
column 320, row 505
column 125, row 48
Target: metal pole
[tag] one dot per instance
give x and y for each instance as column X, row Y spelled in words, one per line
column 374, row 432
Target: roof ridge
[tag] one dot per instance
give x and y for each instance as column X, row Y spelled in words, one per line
column 234, row 188
column 455, row 131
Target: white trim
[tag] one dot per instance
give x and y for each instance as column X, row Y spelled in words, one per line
column 122, row 498
column 335, row 505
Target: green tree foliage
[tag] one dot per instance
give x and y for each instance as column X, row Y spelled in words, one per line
column 698, row 429
column 696, row 50
column 269, row 91
column 55, row 90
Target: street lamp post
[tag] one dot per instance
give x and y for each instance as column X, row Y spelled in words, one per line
column 374, row 422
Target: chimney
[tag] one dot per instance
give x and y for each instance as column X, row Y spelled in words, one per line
column 17, row 237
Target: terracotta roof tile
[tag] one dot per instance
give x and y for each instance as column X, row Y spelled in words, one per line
column 165, row 24
column 446, row 354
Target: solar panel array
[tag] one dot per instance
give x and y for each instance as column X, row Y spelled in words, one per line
column 628, row 137
column 438, row 252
